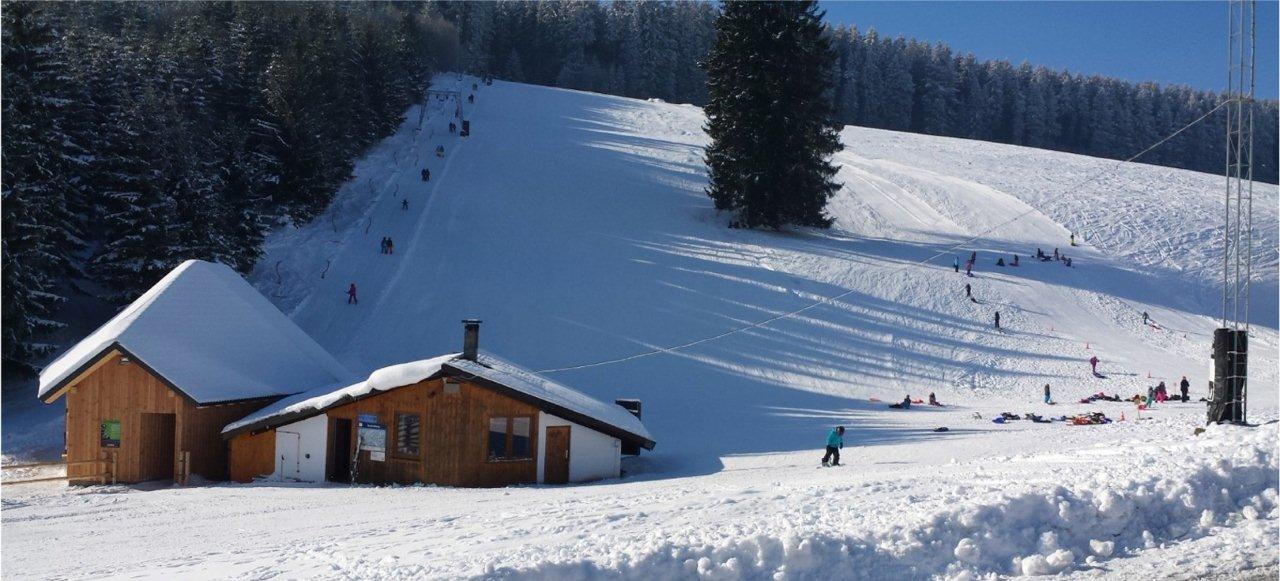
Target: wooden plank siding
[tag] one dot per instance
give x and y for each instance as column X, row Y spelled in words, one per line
column 455, row 430
column 253, row 455
column 124, row 391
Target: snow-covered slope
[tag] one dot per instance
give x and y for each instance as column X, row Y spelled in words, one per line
column 575, row 225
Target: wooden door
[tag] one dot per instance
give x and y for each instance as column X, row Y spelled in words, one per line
column 156, row 452
column 556, row 463
column 340, row 459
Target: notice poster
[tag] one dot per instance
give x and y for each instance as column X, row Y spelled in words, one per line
column 373, row 437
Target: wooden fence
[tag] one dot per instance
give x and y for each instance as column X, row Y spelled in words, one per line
column 105, row 470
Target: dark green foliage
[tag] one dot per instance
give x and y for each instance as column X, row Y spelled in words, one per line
column 140, row 135
column 771, row 136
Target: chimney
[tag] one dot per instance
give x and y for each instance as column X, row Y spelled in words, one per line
column 470, row 338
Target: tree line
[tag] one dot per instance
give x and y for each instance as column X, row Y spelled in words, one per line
column 139, row 135
column 652, row 50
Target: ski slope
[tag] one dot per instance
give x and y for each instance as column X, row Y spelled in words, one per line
column 575, row 226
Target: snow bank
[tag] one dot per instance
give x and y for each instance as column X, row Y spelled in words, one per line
column 1122, row 508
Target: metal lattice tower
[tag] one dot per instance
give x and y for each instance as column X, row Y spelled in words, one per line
column 1237, row 267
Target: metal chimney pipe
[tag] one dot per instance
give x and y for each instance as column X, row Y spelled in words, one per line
column 470, row 338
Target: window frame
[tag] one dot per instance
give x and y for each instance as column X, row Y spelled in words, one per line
column 509, row 441
column 395, row 450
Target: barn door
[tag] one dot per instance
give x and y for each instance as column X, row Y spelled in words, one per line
column 557, row 460
column 156, row 447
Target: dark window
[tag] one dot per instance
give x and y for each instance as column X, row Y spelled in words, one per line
column 109, row 432
column 497, row 438
column 408, row 435
column 510, row 438
column 520, row 437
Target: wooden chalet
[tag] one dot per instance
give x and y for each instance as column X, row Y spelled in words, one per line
column 466, row 419
column 153, row 387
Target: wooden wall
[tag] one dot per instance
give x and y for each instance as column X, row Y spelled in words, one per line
column 455, row 430
column 253, row 455
column 124, row 391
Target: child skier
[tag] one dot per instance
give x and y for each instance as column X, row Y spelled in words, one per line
column 1093, row 362
column 835, row 441
column 351, row 295
column 997, row 319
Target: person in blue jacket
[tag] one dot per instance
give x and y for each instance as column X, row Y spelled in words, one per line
column 835, row 441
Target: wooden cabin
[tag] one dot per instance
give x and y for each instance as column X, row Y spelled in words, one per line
column 468, row 420
column 152, row 388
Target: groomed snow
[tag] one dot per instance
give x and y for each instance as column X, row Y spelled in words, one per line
column 207, row 331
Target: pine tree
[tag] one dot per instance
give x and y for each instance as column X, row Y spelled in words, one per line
column 771, row 135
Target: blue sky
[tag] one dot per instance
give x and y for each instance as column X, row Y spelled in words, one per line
column 1167, row 42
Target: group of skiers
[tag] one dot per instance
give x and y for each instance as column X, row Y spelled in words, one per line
column 1160, row 393
column 387, row 246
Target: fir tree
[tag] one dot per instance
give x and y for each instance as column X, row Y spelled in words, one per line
column 771, row 135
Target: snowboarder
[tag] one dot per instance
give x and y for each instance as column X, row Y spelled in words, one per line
column 1055, row 254
column 1000, row 261
column 1015, row 260
column 968, row 291
column 905, row 405
column 1073, row 238
column 974, row 256
column 1145, row 318
column 955, row 263
column 968, row 268
column 835, row 441
column 404, row 204
column 1184, row 385
column 933, row 400
column 997, row 319
column 351, row 295
column 426, row 175
column 1047, row 398
column 1093, row 362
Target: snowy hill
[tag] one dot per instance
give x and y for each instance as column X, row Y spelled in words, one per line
column 576, row 226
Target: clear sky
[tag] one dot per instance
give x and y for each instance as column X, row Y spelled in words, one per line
column 1168, row 42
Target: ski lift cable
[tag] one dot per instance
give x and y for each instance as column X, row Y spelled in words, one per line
column 833, row 298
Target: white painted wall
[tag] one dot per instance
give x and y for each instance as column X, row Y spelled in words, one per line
column 300, row 449
column 592, row 455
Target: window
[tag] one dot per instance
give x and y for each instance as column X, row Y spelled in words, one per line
column 109, row 433
column 497, row 438
column 408, row 435
column 509, row 438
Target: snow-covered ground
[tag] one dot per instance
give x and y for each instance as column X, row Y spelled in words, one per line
column 575, row 225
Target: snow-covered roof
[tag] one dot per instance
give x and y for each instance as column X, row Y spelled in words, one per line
column 209, row 334
column 508, row 374
column 552, row 397
column 316, row 400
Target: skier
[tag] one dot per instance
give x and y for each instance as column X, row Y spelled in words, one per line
column 1184, row 385
column 968, row 290
column 426, row 175
column 1055, row 254
column 471, row 99
column 391, row 246
column 974, row 256
column 1162, row 393
column 382, row 246
column 955, row 263
column 1093, row 362
column 1073, row 238
column 1145, row 318
column 453, row 128
column 1047, row 398
column 835, row 441
column 968, row 268
column 439, row 151
column 1015, row 260
column 404, row 204
column 997, row 319
column 351, row 295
